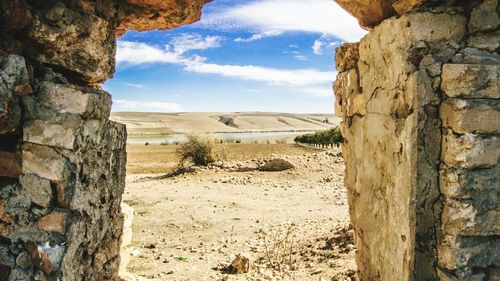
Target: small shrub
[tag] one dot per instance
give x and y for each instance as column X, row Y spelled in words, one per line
column 199, row 151
column 147, row 143
column 238, row 141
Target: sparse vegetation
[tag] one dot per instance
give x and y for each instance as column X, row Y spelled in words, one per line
column 326, row 138
column 197, row 150
column 279, row 249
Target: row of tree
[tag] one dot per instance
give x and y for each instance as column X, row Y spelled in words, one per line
column 326, row 138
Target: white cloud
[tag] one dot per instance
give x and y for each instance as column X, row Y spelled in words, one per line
column 259, row 36
column 317, row 47
column 187, row 42
column 270, row 75
column 137, row 86
column 145, row 106
column 141, row 53
column 300, row 57
column 325, row 41
column 319, row 16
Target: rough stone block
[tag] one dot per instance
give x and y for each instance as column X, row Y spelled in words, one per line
column 462, row 253
column 347, row 56
column 36, row 189
column 468, row 184
column 346, row 90
column 470, row 151
column 53, row 222
column 14, row 82
column 488, row 41
column 403, row 6
column 4, row 216
column 471, row 116
column 45, row 162
column 61, row 134
column 484, row 17
column 10, row 164
column 466, row 218
column 471, row 81
column 90, row 104
column 476, row 56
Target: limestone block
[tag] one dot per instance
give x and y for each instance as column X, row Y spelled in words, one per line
column 347, row 56
column 55, row 221
column 45, row 162
column 463, row 253
column 4, row 215
column 471, row 81
column 477, row 56
column 10, row 164
column 60, row 134
column 157, row 14
column 78, row 37
column 14, row 82
column 468, row 184
column 403, row 6
column 488, row 41
column 471, row 116
column 347, row 94
column 368, row 12
column 470, row 151
column 14, row 74
column 432, row 27
column 484, row 17
column 64, row 98
column 466, row 218
column 385, row 59
column 36, row 189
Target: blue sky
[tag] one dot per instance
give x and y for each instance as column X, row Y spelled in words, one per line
column 263, row 55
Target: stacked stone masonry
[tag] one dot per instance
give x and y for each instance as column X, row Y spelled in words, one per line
column 60, row 217
column 62, row 162
column 420, row 101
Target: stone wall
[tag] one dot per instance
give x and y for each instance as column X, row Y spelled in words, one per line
column 60, row 196
column 62, row 162
column 419, row 99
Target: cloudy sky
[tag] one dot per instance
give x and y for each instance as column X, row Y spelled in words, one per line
column 257, row 55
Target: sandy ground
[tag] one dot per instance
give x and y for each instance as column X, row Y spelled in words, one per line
column 292, row 224
column 147, row 123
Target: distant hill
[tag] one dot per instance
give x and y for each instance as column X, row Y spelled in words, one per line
column 146, row 123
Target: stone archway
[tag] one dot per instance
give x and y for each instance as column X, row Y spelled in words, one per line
column 419, row 96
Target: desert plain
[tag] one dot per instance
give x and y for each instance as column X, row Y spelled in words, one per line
column 291, row 224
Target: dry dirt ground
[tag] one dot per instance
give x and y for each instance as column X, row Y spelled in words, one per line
column 293, row 225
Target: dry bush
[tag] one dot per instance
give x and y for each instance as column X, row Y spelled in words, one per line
column 279, row 249
column 199, row 151
column 276, row 165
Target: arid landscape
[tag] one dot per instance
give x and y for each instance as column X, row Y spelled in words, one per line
column 291, row 224
column 150, row 125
